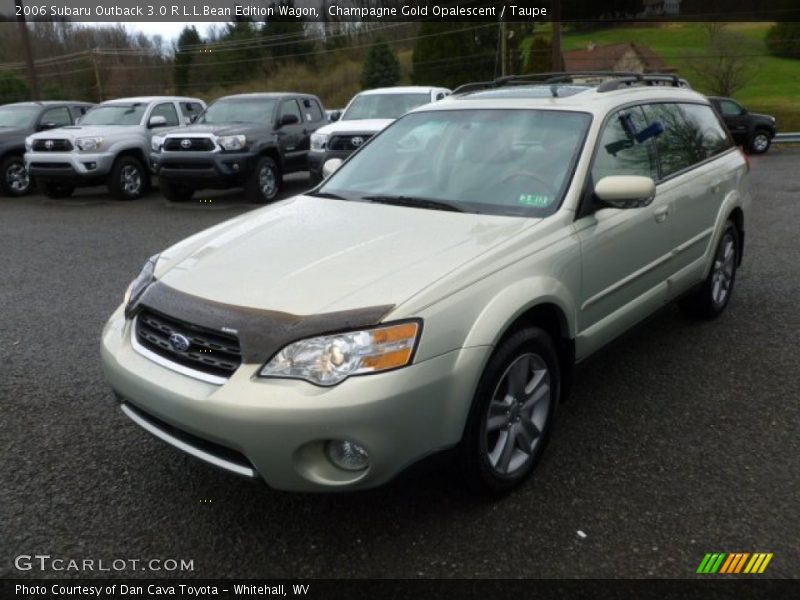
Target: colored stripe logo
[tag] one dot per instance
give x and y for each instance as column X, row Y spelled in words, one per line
column 732, row 563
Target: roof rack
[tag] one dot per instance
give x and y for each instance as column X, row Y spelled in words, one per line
column 614, row 80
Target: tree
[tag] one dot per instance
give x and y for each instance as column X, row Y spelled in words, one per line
column 727, row 63
column 184, row 56
column 449, row 54
column 381, row 69
column 12, row 88
column 288, row 35
column 783, row 39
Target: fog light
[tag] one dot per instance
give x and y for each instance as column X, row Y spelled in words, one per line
column 347, row 455
column 235, row 166
column 90, row 166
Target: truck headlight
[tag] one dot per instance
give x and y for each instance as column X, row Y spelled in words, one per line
column 232, row 142
column 140, row 284
column 156, row 143
column 330, row 359
column 28, row 144
column 88, row 144
column 318, row 141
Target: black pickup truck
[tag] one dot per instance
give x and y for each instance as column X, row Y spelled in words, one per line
column 247, row 140
column 19, row 120
column 751, row 130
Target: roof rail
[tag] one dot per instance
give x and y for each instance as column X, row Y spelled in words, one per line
column 614, row 80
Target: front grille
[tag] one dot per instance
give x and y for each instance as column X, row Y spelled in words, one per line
column 209, row 351
column 52, row 145
column 49, row 165
column 186, row 166
column 345, row 142
column 194, row 144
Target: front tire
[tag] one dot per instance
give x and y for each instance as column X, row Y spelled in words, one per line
column 175, row 192
column 265, row 182
column 15, row 179
column 128, row 179
column 711, row 298
column 512, row 413
column 760, row 142
column 56, row 191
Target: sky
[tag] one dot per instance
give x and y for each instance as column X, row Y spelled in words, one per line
column 168, row 31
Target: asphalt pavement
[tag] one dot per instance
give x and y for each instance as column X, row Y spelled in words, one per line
column 681, row 439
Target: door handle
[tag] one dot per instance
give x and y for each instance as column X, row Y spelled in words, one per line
column 661, row 214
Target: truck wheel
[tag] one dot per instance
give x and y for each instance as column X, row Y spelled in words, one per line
column 128, row 179
column 175, row 192
column 760, row 142
column 265, row 182
column 55, row 190
column 15, row 179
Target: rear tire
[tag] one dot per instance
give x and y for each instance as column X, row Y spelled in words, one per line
column 128, row 179
column 175, row 192
column 265, row 182
column 760, row 142
column 14, row 178
column 55, row 190
column 512, row 413
column 711, row 298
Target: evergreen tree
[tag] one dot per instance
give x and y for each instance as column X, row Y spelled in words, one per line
column 449, row 54
column 184, row 57
column 12, row 88
column 381, row 69
column 288, row 33
column 783, row 39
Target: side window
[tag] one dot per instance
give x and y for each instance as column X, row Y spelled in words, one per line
column 56, row 117
column 619, row 152
column 730, row 108
column 166, row 110
column 79, row 110
column 712, row 138
column 681, row 144
column 189, row 110
column 312, row 110
column 290, row 107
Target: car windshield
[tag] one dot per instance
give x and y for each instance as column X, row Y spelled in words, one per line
column 504, row 162
column 115, row 114
column 230, row 110
column 383, row 106
column 17, row 116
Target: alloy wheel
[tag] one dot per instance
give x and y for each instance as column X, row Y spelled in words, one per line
column 17, row 178
column 131, row 180
column 723, row 269
column 267, row 182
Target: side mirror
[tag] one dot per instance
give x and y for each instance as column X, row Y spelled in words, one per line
column 288, row 120
column 331, row 166
column 46, row 126
column 335, row 116
column 625, row 191
column 157, row 121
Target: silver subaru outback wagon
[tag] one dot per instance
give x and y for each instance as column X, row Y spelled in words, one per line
column 435, row 291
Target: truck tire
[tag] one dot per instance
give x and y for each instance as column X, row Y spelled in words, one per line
column 175, row 192
column 759, row 142
column 265, row 182
column 55, row 190
column 15, row 180
column 128, row 179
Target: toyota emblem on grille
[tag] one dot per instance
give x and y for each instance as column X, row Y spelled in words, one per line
column 49, row 144
column 357, row 141
column 179, row 342
column 186, row 144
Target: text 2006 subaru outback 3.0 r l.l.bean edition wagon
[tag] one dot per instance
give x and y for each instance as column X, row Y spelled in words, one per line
column 435, row 292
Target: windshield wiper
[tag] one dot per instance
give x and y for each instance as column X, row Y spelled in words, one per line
column 413, row 202
column 330, row 195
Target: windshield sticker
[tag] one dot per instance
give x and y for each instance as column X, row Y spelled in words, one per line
column 537, row 200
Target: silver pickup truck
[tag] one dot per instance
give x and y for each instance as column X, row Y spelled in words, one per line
column 109, row 146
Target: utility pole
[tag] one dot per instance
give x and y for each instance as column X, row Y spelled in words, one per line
column 97, row 81
column 33, row 82
column 557, row 63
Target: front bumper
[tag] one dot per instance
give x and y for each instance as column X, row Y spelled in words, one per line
column 203, row 169
column 316, row 160
column 77, row 167
column 279, row 427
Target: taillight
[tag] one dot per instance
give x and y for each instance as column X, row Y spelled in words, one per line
column 746, row 159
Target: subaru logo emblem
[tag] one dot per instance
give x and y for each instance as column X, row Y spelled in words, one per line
column 179, row 343
column 49, row 144
column 186, row 144
column 357, row 141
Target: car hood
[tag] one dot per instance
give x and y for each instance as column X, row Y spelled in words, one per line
column 72, row 132
column 221, row 129
column 309, row 255
column 356, row 126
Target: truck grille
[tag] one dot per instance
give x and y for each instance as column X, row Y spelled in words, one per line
column 348, row 143
column 188, row 144
column 209, row 351
column 52, row 145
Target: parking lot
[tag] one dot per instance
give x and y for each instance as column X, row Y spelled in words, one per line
column 684, row 439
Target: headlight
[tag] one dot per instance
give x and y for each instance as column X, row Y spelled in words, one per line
column 232, row 142
column 318, row 141
column 139, row 285
column 89, row 144
column 330, row 359
column 28, row 144
column 156, row 142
